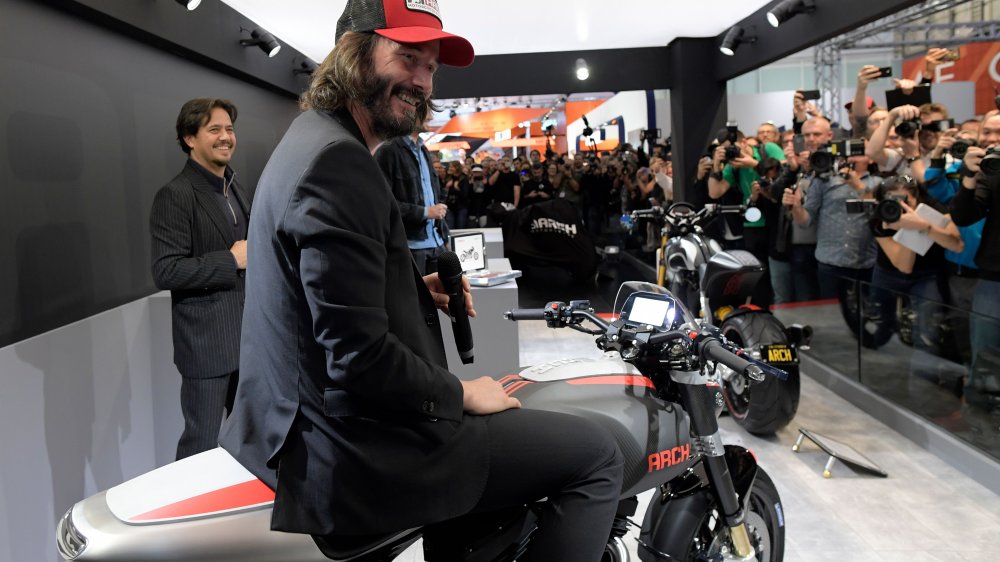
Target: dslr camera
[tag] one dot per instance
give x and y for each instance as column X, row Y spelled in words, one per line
column 960, row 147
column 887, row 210
column 990, row 165
column 907, row 129
column 823, row 160
column 732, row 153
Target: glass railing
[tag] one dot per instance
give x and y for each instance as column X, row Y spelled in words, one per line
column 931, row 358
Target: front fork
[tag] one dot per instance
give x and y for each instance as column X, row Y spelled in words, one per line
column 697, row 399
column 661, row 260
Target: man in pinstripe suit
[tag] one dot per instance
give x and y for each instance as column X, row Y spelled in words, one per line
column 198, row 225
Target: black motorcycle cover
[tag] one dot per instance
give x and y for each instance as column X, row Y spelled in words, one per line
column 550, row 233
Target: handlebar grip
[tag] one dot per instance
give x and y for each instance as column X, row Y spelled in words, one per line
column 525, row 314
column 715, row 351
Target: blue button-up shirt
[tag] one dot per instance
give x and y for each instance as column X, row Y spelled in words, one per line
column 433, row 239
column 842, row 239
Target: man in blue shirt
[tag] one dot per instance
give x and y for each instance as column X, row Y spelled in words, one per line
column 407, row 166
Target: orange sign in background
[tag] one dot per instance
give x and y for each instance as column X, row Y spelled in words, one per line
column 978, row 62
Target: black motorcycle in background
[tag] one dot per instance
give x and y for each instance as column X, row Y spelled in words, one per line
column 717, row 285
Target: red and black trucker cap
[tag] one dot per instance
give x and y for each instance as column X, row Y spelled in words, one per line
column 408, row 22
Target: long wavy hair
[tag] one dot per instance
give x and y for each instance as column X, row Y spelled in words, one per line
column 348, row 73
column 342, row 75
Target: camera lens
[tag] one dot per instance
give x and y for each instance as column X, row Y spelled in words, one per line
column 907, row 129
column 732, row 153
column 889, row 210
column 959, row 149
column 990, row 164
column 821, row 162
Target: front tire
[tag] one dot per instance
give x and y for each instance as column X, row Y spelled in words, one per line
column 691, row 528
column 769, row 405
column 765, row 520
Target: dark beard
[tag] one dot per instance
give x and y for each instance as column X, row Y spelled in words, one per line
column 377, row 99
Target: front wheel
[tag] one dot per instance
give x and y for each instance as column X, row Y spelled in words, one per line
column 769, row 405
column 692, row 529
column 765, row 520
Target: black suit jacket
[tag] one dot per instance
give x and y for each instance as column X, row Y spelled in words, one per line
column 191, row 239
column 345, row 405
column 402, row 171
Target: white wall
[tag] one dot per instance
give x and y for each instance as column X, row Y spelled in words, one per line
column 632, row 108
column 83, row 408
column 750, row 110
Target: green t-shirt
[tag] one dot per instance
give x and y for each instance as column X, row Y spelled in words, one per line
column 749, row 175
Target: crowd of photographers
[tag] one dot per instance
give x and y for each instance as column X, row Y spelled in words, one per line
column 903, row 199
column 600, row 185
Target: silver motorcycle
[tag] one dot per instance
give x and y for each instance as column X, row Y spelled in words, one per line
column 654, row 388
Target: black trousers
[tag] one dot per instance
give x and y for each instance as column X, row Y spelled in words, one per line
column 426, row 259
column 203, row 403
column 573, row 462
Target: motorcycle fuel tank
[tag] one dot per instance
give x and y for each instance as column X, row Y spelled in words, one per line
column 653, row 434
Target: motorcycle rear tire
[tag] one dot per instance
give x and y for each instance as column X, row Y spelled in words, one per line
column 767, row 406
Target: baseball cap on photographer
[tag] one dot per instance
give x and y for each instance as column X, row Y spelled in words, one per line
column 476, row 168
column 869, row 102
column 408, row 22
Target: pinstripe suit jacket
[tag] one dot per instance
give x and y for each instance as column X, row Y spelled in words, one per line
column 191, row 238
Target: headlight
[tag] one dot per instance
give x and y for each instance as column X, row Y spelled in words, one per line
column 68, row 539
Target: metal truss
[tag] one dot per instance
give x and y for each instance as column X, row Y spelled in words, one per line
column 827, row 56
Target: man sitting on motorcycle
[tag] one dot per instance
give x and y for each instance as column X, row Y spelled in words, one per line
column 345, row 406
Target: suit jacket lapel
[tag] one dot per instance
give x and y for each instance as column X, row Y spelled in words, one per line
column 204, row 194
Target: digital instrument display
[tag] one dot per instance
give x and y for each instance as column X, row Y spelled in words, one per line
column 651, row 312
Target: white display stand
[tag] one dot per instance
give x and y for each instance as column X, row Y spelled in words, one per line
column 494, row 339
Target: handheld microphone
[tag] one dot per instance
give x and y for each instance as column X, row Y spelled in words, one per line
column 450, row 273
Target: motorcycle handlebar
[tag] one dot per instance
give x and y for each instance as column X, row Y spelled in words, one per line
column 739, row 362
column 525, row 314
column 717, row 352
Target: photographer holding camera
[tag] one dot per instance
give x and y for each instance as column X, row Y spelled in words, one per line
column 979, row 200
column 734, row 162
column 802, row 111
column 942, row 180
column 844, row 251
column 505, row 184
column 536, row 188
column 900, row 270
column 904, row 161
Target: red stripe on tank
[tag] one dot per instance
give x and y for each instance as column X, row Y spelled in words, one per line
column 510, row 390
column 627, row 380
column 246, row 494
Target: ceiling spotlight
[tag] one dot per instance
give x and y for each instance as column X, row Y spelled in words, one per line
column 189, row 4
column 789, row 9
column 582, row 72
column 734, row 37
column 264, row 40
